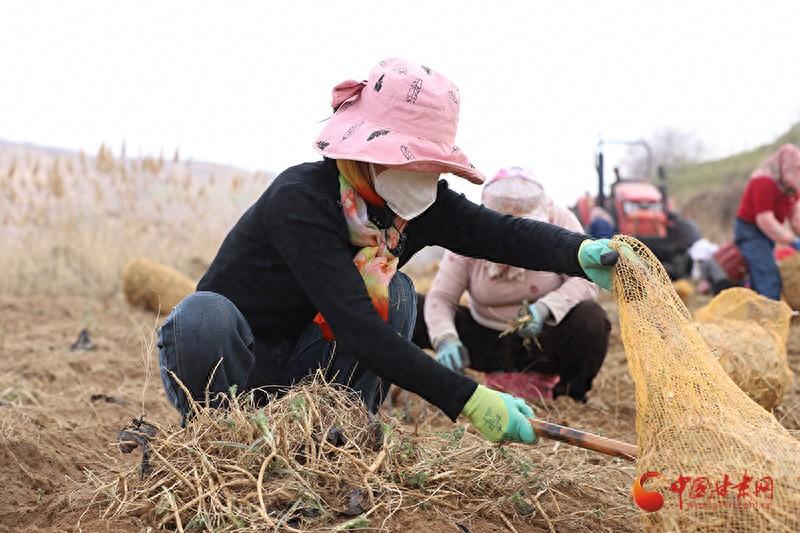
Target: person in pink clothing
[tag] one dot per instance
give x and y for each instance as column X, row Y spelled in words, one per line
column 564, row 344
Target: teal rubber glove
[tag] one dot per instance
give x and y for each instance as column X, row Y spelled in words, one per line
column 597, row 259
column 452, row 354
column 499, row 416
column 538, row 313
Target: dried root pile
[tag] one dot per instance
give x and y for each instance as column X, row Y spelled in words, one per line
column 313, row 459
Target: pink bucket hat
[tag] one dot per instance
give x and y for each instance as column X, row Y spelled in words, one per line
column 404, row 114
column 516, row 191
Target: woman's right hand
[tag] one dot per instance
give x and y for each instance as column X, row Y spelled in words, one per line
column 452, row 354
column 499, row 416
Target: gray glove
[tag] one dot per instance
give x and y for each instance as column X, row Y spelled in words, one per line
column 452, row 354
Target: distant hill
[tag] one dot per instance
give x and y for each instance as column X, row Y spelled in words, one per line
column 734, row 169
column 709, row 192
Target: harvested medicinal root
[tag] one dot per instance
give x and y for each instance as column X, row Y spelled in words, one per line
column 312, row 459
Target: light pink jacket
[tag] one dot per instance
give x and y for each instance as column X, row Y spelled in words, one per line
column 493, row 302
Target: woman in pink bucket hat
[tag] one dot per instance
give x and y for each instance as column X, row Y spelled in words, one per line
column 307, row 279
column 562, row 347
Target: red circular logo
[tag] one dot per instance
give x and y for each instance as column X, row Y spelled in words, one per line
column 647, row 500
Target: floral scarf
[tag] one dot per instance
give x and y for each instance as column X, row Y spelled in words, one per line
column 375, row 261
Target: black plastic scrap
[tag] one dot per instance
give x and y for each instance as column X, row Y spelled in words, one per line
column 356, row 502
column 83, row 342
column 375, row 429
column 336, row 437
column 138, row 434
column 108, row 399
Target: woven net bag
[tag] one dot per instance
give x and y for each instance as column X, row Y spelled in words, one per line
column 747, row 333
column 723, row 462
column 790, row 276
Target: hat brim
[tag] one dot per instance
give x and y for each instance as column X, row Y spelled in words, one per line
column 540, row 215
column 350, row 135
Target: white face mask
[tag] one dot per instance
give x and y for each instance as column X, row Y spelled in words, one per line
column 408, row 193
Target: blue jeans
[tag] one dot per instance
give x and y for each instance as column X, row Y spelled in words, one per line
column 207, row 344
column 758, row 252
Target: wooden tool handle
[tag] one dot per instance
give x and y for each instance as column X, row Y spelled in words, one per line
column 589, row 441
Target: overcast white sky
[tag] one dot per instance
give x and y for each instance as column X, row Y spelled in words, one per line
column 246, row 83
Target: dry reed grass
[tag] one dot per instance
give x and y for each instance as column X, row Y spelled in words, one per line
column 68, row 222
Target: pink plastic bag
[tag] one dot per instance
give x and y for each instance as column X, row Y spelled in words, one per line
column 526, row 385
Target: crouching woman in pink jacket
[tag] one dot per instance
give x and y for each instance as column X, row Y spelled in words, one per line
column 563, row 345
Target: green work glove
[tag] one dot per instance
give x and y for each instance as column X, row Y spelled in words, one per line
column 597, row 259
column 538, row 312
column 452, row 354
column 499, row 416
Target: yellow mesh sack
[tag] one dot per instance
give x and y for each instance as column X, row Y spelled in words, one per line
column 753, row 357
column 707, row 440
column 684, row 289
column 790, row 276
column 739, row 303
column 748, row 333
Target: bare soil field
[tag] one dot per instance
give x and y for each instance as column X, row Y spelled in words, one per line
column 60, row 412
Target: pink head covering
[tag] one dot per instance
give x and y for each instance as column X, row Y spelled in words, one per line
column 404, row 114
column 516, row 191
column 782, row 166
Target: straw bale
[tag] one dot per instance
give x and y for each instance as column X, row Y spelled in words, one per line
column 154, row 286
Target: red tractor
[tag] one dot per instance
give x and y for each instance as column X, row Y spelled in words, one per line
column 638, row 207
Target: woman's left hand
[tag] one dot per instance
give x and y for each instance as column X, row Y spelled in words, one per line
column 453, row 355
column 538, row 313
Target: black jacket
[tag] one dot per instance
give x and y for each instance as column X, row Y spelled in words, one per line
column 290, row 256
